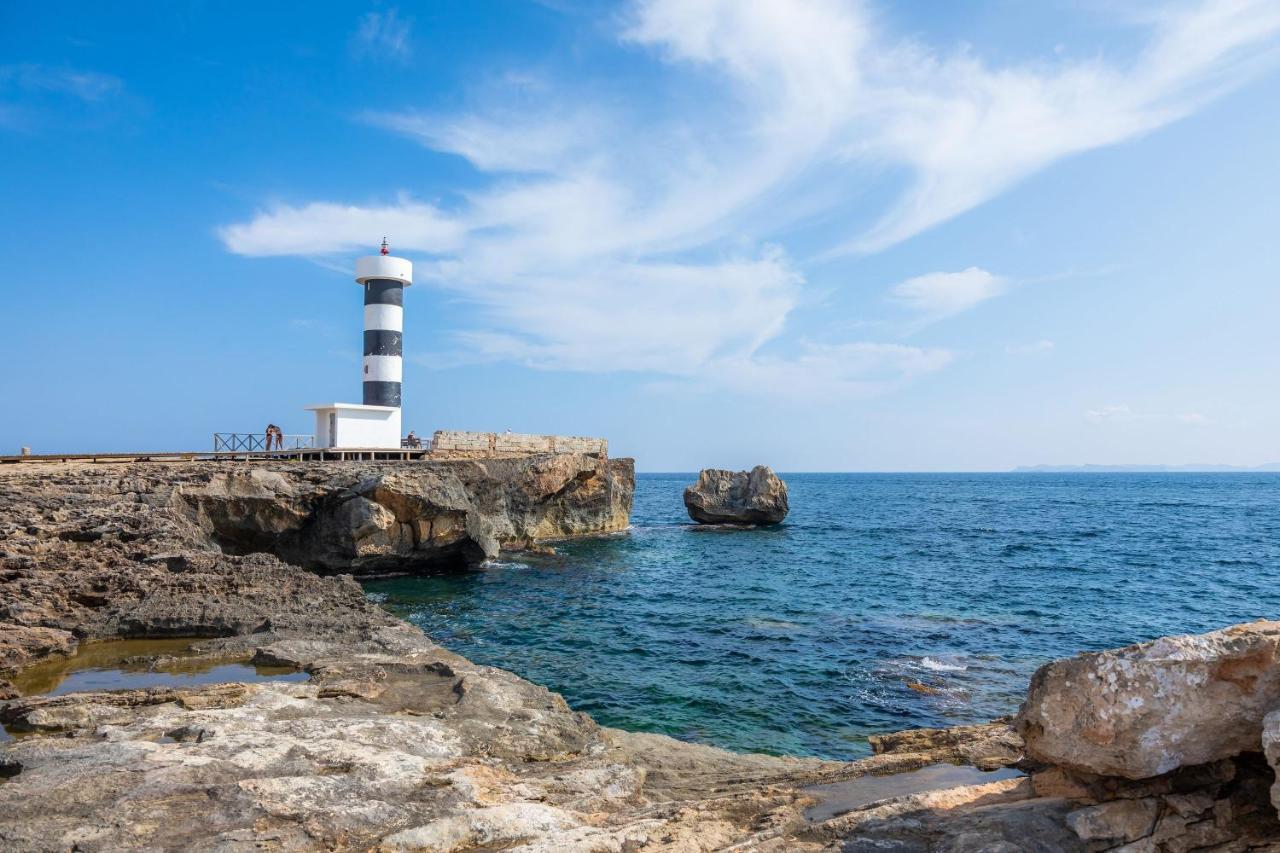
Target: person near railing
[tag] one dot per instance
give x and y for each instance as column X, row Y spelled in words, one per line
column 275, row 433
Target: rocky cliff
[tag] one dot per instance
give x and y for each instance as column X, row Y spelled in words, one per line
column 212, row 549
column 408, row 517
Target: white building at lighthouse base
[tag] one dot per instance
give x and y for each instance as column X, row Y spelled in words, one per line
column 351, row 425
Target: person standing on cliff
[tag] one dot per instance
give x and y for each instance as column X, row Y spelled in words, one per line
column 274, row 432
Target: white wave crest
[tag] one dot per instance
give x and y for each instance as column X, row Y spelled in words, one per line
column 940, row 666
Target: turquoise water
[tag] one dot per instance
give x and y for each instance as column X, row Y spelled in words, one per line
column 884, row 602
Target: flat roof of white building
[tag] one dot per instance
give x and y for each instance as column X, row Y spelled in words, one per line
column 315, row 407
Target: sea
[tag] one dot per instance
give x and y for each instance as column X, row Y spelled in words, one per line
column 883, row 602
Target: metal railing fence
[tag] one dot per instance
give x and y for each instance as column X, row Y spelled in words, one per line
column 240, row 442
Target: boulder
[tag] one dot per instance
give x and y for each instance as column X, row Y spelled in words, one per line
column 737, row 497
column 1144, row 710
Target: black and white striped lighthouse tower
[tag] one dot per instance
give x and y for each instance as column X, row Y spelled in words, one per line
column 384, row 279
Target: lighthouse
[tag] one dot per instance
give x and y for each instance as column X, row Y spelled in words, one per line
column 384, row 279
column 375, row 423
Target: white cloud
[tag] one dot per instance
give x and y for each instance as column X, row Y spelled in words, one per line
column 87, row 86
column 1042, row 345
column 669, row 318
column 1110, row 414
column 846, row 370
column 504, row 141
column 320, row 228
column 385, row 35
column 966, row 130
column 612, row 235
column 1195, row 419
column 941, row 294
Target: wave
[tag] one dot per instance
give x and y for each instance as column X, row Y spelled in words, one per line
column 939, row 666
column 504, row 564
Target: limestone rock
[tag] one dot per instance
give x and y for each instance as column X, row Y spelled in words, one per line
column 419, row 516
column 1147, row 709
column 20, row 645
column 743, row 497
column 1120, row 820
column 1271, row 747
column 989, row 746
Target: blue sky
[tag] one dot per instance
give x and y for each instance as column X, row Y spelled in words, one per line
column 816, row 234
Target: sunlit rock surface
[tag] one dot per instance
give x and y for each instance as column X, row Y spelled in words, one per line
column 1151, row 708
column 737, row 497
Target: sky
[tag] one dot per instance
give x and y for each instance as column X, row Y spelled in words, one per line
column 823, row 235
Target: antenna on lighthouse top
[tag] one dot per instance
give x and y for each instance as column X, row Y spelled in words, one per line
column 385, row 250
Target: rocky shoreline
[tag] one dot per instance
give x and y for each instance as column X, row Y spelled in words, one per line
column 394, row 743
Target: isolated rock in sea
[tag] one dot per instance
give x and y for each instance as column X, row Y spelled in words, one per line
column 1147, row 709
column 737, row 497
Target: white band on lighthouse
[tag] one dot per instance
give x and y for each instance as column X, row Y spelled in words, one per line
column 383, row 368
column 379, row 316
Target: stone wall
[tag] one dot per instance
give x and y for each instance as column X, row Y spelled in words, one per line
column 457, row 442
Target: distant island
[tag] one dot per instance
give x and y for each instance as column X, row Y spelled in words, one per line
column 1144, row 469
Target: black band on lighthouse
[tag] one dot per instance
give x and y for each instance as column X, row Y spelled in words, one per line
column 383, row 342
column 382, row 291
column 382, row 394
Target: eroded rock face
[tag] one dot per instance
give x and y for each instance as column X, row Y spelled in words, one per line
column 737, row 497
column 378, row 518
column 1147, row 709
column 200, row 549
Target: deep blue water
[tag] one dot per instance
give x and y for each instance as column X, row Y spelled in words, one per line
column 804, row 638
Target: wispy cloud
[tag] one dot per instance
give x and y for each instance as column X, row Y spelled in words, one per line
column 1110, row 414
column 941, row 294
column 320, row 228
column 32, row 95
column 384, row 35
column 821, row 73
column 609, row 236
column 1195, row 419
column 503, row 140
column 87, row 86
